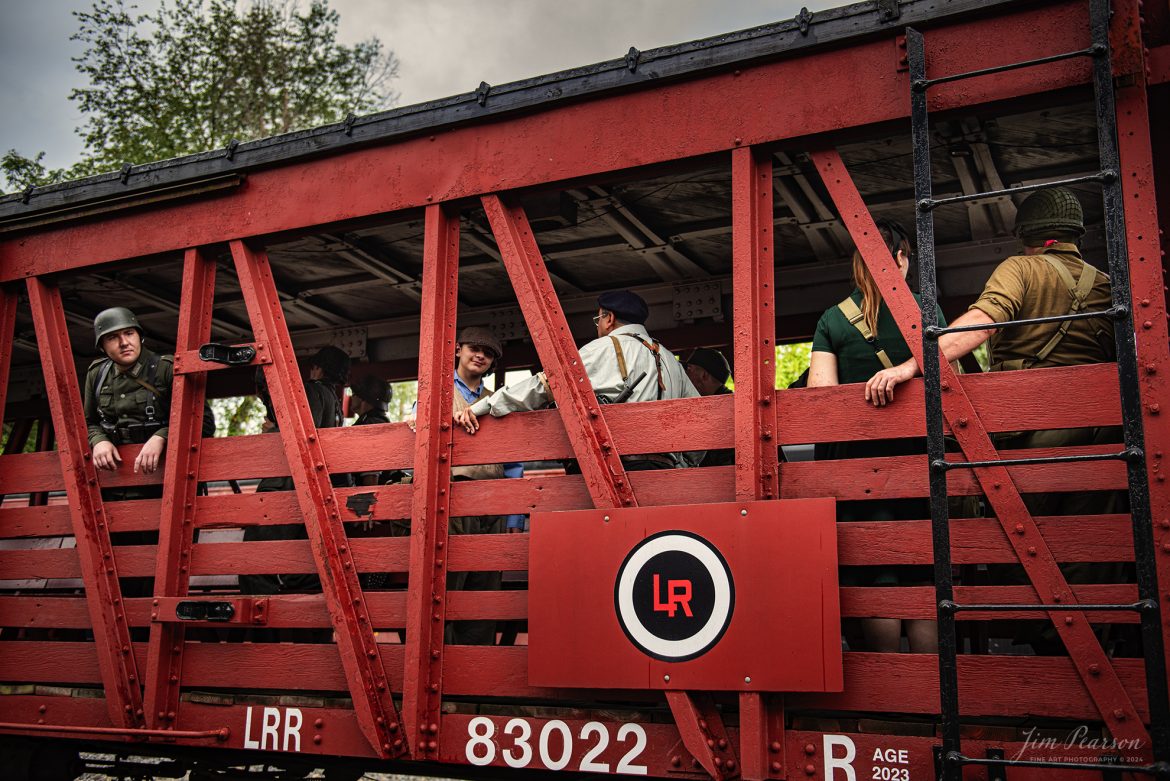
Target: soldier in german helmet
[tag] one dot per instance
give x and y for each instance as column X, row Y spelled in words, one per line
column 127, row 394
column 370, row 397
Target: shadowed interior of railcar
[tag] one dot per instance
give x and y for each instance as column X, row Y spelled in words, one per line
column 666, row 233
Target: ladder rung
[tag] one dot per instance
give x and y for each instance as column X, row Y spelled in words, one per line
column 1129, row 454
column 927, row 204
column 1157, row 769
column 1092, row 51
column 1137, row 607
column 1113, row 312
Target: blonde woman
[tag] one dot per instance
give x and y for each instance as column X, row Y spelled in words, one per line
column 854, row 340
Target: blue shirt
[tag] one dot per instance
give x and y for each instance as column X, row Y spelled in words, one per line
column 514, row 469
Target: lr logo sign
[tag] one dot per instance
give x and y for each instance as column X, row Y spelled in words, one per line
column 674, row 596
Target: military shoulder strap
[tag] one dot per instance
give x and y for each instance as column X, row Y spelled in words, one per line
column 653, row 347
column 1079, row 290
column 103, row 373
column 856, row 319
column 621, row 358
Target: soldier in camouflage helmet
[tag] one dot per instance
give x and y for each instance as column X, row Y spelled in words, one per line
column 1048, row 279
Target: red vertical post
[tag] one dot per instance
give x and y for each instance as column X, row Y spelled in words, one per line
column 8, row 301
column 757, row 468
column 426, row 598
column 164, row 658
column 103, row 594
column 600, row 463
column 375, row 710
column 754, row 307
column 1146, row 278
column 1084, row 649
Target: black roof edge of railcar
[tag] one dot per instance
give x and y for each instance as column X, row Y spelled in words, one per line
column 806, row 31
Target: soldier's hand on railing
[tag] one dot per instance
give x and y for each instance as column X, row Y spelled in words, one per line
column 150, row 456
column 466, row 418
column 105, row 456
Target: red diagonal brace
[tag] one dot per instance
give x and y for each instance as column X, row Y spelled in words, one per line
column 426, row 599
column 757, row 469
column 701, row 726
column 368, row 686
column 588, row 432
column 8, row 301
column 164, row 657
column 103, row 594
column 1095, row 668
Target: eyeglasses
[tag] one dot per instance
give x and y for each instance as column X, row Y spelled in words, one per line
column 597, row 319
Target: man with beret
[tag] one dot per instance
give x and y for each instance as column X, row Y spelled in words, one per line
column 622, row 351
column 709, row 371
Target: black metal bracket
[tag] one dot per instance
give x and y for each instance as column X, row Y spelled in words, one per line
column 633, row 56
column 803, row 20
column 26, row 196
column 1118, row 312
column 888, row 10
column 481, row 93
column 947, row 606
column 124, row 174
column 347, row 125
column 204, row 611
column 230, row 152
column 361, row 504
column 1129, row 454
column 229, row 355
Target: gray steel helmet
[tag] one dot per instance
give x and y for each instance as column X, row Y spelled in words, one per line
column 334, row 362
column 1049, row 214
column 111, row 320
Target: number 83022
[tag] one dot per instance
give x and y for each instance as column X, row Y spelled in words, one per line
column 555, row 745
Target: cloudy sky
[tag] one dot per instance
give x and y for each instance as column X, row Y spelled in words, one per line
column 445, row 47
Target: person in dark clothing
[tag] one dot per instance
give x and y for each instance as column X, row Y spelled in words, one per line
column 709, row 371
column 328, row 368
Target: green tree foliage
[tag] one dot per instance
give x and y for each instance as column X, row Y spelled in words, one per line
column 791, row 361
column 196, row 74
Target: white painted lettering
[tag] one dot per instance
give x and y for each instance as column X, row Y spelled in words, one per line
column 292, row 728
column 269, row 727
column 844, row 763
column 248, row 741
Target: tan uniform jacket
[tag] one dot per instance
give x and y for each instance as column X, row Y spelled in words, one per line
column 1026, row 286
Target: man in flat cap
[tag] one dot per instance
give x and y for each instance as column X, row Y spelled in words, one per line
column 622, row 351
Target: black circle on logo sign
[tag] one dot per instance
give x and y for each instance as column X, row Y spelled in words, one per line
column 702, row 584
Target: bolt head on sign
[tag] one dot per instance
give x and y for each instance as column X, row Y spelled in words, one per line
column 690, row 597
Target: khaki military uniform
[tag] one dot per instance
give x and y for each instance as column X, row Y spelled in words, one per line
column 1029, row 286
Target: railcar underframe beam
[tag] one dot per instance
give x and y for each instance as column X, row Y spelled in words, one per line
column 1092, row 663
column 368, row 685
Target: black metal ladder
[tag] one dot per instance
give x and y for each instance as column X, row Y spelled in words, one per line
column 951, row 758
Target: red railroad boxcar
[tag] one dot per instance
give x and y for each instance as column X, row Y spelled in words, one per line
column 671, row 623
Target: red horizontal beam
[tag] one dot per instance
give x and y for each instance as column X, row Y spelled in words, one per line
column 388, row 609
column 832, row 414
column 669, row 122
column 338, row 735
column 990, row 685
column 976, row 541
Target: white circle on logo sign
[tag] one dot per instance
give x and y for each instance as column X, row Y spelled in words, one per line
column 701, row 641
